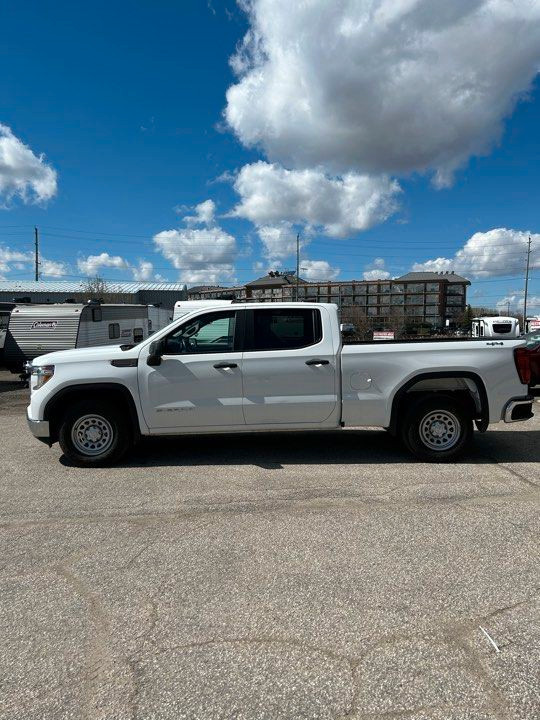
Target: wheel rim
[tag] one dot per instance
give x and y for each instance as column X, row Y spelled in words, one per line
column 440, row 430
column 92, row 435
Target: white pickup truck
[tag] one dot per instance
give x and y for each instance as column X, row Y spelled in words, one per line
column 274, row 366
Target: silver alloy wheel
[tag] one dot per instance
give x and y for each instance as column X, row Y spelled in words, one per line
column 92, row 435
column 440, row 430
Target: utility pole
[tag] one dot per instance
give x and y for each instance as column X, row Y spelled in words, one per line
column 508, row 309
column 526, row 284
column 36, row 253
column 297, row 262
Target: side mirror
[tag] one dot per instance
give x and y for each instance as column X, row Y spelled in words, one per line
column 155, row 353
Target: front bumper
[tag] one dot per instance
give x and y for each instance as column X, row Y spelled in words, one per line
column 519, row 409
column 39, row 429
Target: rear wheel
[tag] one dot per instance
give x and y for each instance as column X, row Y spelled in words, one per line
column 437, row 429
column 93, row 434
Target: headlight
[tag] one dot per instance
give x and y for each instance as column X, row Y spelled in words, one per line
column 41, row 375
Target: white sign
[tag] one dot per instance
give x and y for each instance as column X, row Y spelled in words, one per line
column 534, row 324
column 44, row 324
column 383, row 334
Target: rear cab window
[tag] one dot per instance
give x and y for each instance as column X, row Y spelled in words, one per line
column 283, row 329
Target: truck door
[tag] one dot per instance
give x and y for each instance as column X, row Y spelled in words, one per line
column 289, row 368
column 199, row 381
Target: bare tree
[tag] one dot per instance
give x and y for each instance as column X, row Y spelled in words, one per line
column 96, row 288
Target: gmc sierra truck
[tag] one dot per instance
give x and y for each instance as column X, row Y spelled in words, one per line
column 274, row 366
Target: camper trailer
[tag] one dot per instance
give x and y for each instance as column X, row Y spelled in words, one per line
column 158, row 317
column 495, row 327
column 5, row 312
column 183, row 307
column 38, row 329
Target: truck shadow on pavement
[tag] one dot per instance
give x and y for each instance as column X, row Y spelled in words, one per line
column 273, row 451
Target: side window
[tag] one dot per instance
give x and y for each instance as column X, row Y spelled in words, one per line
column 96, row 314
column 210, row 333
column 138, row 335
column 285, row 329
column 114, row 331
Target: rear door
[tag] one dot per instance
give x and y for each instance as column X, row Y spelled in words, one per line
column 199, row 381
column 289, row 368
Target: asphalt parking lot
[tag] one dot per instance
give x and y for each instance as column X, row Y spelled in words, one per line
column 272, row 576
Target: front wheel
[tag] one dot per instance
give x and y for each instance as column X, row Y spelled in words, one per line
column 93, row 434
column 437, row 429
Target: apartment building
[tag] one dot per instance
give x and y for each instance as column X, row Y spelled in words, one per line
column 428, row 298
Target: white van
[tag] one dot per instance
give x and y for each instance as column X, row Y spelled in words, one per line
column 495, row 327
column 183, row 307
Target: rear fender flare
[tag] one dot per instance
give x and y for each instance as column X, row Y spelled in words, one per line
column 475, row 387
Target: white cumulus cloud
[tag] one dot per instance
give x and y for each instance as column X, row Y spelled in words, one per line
column 204, row 214
column 376, row 270
column 279, row 241
column 22, row 173
column 318, row 270
column 381, row 86
column 494, row 253
column 52, row 268
column 517, row 301
column 143, row 271
column 94, row 263
column 271, row 194
column 24, row 261
column 200, row 256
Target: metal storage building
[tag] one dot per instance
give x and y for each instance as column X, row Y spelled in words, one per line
column 48, row 291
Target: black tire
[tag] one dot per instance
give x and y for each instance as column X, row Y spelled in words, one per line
column 437, row 429
column 94, row 433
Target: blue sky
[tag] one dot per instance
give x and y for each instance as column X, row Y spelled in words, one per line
column 126, row 100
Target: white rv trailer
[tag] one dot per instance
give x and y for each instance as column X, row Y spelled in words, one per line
column 36, row 329
column 5, row 312
column 158, row 317
column 183, row 307
column 4, row 322
column 495, row 327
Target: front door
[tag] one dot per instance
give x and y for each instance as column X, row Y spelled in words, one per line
column 199, row 381
column 289, row 368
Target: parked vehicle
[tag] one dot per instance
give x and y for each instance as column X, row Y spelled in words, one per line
column 533, row 324
column 347, row 329
column 36, row 329
column 158, row 318
column 533, row 344
column 183, row 307
column 275, row 366
column 495, row 327
column 5, row 312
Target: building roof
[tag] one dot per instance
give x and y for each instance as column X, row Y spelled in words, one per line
column 275, row 280
column 80, row 286
column 422, row 276
column 201, row 288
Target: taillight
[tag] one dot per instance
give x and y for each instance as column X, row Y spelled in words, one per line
column 523, row 364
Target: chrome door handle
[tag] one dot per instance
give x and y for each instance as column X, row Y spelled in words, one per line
column 225, row 365
column 317, row 362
